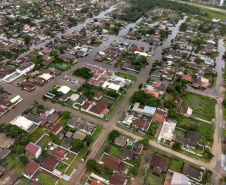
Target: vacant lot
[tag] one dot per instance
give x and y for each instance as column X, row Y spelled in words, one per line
column 201, row 104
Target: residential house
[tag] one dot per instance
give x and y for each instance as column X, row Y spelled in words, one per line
column 192, row 172
column 187, row 111
column 113, row 163
column 176, row 100
column 121, row 141
column 55, row 128
column 49, row 163
column 179, row 178
column 159, row 116
column 60, row 153
column 98, row 95
column 33, row 150
column 4, row 153
column 126, row 154
column 6, row 142
column 138, row 147
column 158, row 165
column 30, row 169
column 79, row 135
column 118, row 179
column 166, row 133
column 11, row 178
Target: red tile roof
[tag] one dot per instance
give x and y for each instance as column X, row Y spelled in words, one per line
column 140, row 124
column 118, row 179
column 32, row 148
column 50, row 163
column 60, row 152
column 99, row 107
column 30, row 168
column 86, row 105
column 113, row 163
column 186, row 77
column 94, row 182
column 55, row 127
column 151, row 92
column 98, row 95
column 159, row 116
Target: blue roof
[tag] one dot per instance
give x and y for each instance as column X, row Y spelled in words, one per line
column 149, row 110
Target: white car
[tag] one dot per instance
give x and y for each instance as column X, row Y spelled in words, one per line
column 203, row 168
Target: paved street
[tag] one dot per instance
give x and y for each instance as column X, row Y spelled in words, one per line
column 29, row 99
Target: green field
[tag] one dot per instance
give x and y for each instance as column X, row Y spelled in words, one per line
column 46, row 180
column 199, row 103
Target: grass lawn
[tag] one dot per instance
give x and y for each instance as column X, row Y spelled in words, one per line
column 69, row 102
column 114, row 151
column 199, row 103
column 46, row 180
column 209, row 14
column 37, row 134
column 108, row 100
column 201, row 116
column 205, row 130
column 61, row 167
column 153, row 128
column 179, row 132
column 63, row 66
column 24, row 181
column 176, row 164
column 192, row 71
column 61, row 182
column 126, row 76
column 153, row 179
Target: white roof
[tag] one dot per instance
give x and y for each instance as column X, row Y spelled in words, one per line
column 46, row 76
column 141, row 53
column 22, row 122
column 105, row 84
column 74, row 97
column 167, row 130
column 204, row 80
column 16, row 98
column 114, row 87
column 64, row 89
column 189, row 111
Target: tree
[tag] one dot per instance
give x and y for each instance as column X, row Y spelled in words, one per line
column 145, row 142
column 88, row 139
column 176, row 146
column 144, row 99
column 66, row 114
column 169, row 104
column 27, row 39
column 53, row 53
column 113, row 135
column 24, row 159
column 83, row 72
column 140, row 86
column 91, row 164
column 76, row 144
column 133, row 171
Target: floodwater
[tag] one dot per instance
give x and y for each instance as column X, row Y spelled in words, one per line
column 156, row 51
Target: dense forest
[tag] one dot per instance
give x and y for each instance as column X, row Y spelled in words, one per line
column 139, row 7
